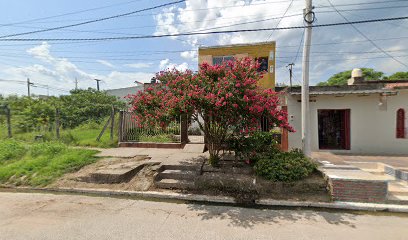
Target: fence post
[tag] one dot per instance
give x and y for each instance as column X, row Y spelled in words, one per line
column 184, row 129
column 8, row 114
column 112, row 122
column 103, row 130
column 120, row 134
column 57, row 122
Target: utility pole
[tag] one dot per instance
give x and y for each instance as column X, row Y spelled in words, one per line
column 309, row 17
column 290, row 67
column 97, row 83
column 76, row 83
column 29, row 84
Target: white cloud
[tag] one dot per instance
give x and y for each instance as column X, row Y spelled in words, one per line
column 166, row 64
column 325, row 60
column 190, row 55
column 61, row 73
column 138, row 65
column 41, row 52
column 106, row 63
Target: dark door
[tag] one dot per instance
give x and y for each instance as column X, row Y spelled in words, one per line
column 334, row 129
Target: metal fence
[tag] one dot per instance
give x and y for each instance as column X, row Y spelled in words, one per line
column 131, row 131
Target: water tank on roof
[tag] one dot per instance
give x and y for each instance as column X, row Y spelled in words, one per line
column 356, row 73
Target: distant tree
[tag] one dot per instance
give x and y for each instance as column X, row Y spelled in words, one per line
column 398, row 76
column 86, row 105
column 342, row 77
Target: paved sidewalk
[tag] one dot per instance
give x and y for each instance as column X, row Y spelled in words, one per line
column 343, row 159
column 166, row 156
column 47, row 216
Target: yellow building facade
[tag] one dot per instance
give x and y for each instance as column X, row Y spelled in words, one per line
column 263, row 52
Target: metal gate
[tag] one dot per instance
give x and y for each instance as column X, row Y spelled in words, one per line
column 131, row 131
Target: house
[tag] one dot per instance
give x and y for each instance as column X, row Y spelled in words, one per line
column 263, row 52
column 121, row 93
column 363, row 117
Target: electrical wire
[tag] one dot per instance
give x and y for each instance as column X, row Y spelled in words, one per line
column 95, row 20
column 203, row 33
column 366, row 37
column 69, row 13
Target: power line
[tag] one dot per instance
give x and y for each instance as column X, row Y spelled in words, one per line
column 366, row 37
column 70, row 13
column 93, row 21
column 203, row 33
column 365, row 3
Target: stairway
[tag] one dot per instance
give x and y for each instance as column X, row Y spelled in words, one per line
column 176, row 177
column 398, row 191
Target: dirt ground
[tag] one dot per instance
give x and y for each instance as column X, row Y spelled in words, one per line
column 142, row 181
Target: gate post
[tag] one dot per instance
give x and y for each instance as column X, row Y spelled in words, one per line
column 184, row 128
column 121, row 119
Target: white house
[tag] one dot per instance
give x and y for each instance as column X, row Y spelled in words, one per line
column 121, row 93
column 364, row 117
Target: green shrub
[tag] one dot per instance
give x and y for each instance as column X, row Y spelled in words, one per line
column 253, row 147
column 11, row 149
column 284, row 166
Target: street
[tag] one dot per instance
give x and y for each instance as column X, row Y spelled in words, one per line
column 50, row 216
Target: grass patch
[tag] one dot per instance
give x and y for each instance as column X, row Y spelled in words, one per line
column 83, row 135
column 39, row 164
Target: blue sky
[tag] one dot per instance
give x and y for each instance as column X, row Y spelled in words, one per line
column 120, row 63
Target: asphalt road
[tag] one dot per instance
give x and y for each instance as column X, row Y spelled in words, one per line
column 47, row 216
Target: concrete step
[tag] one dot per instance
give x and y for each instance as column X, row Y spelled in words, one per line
column 398, row 187
column 397, row 199
column 178, row 174
column 181, row 167
column 174, row 184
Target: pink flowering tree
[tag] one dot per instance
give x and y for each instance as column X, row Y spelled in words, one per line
column 223, row 99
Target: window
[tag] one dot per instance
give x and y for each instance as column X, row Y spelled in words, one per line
column 219, row 59
column 400, row 123
column 263, row 64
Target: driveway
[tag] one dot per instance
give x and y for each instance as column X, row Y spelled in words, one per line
column 48, row 216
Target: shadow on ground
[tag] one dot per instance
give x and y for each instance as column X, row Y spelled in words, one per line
column 249, row 217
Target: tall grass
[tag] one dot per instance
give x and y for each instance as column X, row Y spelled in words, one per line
column 39, row 164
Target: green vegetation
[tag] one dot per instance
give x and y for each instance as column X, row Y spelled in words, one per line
column 39, row 164
column 398, row 76
column 342, row 77
column 253, row 147
column 82, row 116
column 284, row 166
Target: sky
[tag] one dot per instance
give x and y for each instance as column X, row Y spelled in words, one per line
column 119, row 63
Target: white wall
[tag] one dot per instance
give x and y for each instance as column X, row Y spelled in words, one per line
column 372, row 131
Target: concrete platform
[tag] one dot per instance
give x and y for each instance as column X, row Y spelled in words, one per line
column 356, row 174
column 117, row 173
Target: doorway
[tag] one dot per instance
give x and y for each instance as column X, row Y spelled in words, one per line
column 334, row 129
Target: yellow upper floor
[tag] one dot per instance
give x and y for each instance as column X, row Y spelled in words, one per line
column 263, row 52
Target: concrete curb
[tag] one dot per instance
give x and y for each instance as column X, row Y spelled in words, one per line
column 355, row 206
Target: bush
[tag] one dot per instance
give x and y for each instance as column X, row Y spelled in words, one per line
column 253, row 147
column 10, row 149
column 285, row 166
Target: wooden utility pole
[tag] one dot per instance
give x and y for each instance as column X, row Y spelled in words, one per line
column 29, row 84
column 97, row 83
column 76, row 83
column 290, row 67
column 309, row 17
